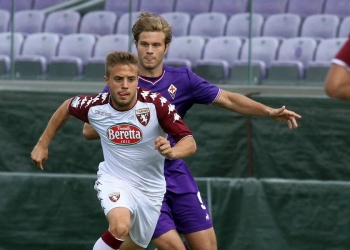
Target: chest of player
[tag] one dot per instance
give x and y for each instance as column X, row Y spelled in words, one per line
column 133, row 127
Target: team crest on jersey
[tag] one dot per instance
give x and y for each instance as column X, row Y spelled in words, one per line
column 143, row 116
column 124, row 134
column 172, row 91
column 114, row 197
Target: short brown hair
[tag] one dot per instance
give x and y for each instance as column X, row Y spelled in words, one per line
column 148, row 22
column 119, row 57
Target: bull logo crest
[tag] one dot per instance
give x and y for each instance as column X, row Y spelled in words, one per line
column 143, row 116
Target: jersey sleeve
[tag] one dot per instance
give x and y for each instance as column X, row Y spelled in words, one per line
column 343, row 56
column 203, row 92
column 168, row 117
column 80, row 105
column 170, row 120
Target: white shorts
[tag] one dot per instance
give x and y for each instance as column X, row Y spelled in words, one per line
column 113, row 192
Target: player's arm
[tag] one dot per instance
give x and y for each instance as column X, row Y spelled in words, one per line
column 337, row 82
column 90, row 133
column 185, row 147
column 243, row 105
column 40, row 152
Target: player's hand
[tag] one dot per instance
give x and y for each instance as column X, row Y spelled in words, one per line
column 284, row 115
column 39, row 155
column 163, row 146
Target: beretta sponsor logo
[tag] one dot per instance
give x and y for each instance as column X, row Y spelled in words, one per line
column 124, row 134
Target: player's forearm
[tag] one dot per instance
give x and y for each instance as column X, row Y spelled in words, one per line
column 58, row 119
column 184, row 148
column 241, row 104
column 90, row 133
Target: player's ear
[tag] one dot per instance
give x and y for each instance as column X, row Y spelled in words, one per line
column 106, row 80
column 166, row 48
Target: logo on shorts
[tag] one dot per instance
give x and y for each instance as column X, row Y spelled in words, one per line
column 143, row 116
column 114, row 197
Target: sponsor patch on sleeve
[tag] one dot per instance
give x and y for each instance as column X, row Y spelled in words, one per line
column 75, row 102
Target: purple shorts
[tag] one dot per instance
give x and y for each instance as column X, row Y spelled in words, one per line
column 187, row 213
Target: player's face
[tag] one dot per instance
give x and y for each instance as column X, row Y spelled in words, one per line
column 122, row 82
column 151, row 50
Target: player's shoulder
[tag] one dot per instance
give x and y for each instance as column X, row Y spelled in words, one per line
column 145, row 95
column 179, row 70
column 90, row 100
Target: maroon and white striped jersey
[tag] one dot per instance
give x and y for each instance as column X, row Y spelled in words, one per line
column 128, row 137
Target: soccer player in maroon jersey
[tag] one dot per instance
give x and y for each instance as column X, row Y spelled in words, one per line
column 183, row 210
column 133, row 124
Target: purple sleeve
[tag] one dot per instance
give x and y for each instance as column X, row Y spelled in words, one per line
column 203, row 92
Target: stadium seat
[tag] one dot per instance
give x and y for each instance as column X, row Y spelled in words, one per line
column 94, row 68
column 305, row 8
column 5, row 50
column 269, row 7
column 179, row 21
column 242, row 30
column 123, row 25
column 193, row 7
column 263, row 51
column 318, row 68
column 282, row 25
column 43, row 4
column 98, row 22
column 341, row 8
column 320, row 26
column 19, row 5
column 229, row 7
column 73, row 52
column 5, row 20
column 156, row 6
column 37, row 51
column 344, row 27
column 293, row 57
column 219, row 55
column 29, row 21
column 121, row 7
column 209, row 24
column 62, row 22
column 185, row 51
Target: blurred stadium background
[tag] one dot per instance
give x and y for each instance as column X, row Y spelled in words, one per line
column 267, row 187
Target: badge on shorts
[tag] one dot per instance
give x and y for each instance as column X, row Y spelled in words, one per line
column 114, row 197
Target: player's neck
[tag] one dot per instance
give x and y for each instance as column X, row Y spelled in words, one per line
column 157, row 72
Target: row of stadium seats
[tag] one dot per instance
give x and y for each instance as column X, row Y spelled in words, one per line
column 229, row 7
column 221, row 59
column 208, row 24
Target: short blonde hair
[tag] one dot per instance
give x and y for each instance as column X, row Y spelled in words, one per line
column 119, row 57
column 148, row 22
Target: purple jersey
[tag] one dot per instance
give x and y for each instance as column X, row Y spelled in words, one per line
column 182, row 88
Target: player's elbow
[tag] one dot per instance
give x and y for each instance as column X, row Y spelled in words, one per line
column 90, row 133
column 193, row 146
column 86, row 134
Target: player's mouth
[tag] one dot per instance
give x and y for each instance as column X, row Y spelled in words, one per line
column 123, row 95
column 149, row 59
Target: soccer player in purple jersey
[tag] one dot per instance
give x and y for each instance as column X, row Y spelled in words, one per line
column 183, row 210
